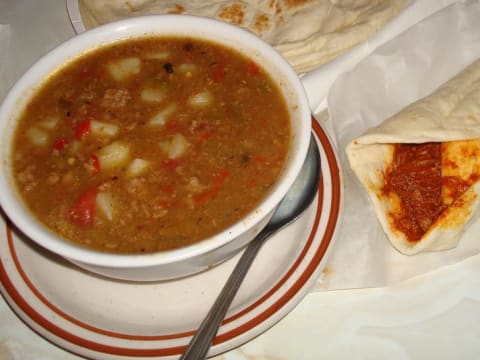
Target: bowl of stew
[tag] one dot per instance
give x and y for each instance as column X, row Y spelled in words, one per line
column 152, row 148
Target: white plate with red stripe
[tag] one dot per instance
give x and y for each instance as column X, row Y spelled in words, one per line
column 103, row 319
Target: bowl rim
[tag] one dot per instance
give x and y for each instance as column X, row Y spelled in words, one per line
column 133, row 28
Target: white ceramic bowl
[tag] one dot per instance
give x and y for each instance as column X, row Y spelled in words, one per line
column 184, row 261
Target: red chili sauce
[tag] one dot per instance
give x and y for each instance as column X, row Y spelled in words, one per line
column 416, row 178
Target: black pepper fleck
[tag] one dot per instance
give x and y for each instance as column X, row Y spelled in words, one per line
column 168, row 68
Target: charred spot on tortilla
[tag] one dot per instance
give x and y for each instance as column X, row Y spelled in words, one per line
column 308, row 33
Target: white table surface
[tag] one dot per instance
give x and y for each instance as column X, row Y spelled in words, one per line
column 435, row 316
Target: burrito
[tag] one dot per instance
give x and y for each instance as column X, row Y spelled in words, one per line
column 307, row 33
column 421, row 167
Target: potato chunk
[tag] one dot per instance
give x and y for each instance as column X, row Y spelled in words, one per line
column 49, row 122
column 122, row 69
column 161, row 55
column 137, row 167
column 201, row 99
column 37, row 137
column 103, row 129
column 114, row 155
column 187, row 69
column 105, row 204
column 175, row 147
column 150, row 94
column 160, row 118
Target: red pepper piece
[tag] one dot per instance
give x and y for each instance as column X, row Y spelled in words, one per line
column 218, row 74
column 202, row 198
column 83, row 210
column 95, row 163
column 253, row 68
column 261, row 160
column 83, row 129
column 83, row 74
column 167, row 188
column 164, row 203
column 60, row 144
column 170, row 163
column 205, row 131
column 218, row 181
column 267, row 161
column 172, row 125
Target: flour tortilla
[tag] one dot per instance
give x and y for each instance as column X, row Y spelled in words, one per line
column 307, row 33
column 450, row 115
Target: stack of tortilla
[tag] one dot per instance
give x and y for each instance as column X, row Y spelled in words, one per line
column 307, row 33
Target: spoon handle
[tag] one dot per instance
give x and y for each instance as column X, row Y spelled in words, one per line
column 199, row 345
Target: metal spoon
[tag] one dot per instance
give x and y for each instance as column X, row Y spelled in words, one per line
column 298, row 198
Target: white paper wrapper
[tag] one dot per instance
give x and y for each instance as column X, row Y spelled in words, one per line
column 319, row 81
column 403, row 70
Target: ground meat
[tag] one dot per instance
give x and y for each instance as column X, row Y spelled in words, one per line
column 87, row 96
column 83, row 110
column 115, row 98
column 136, row 185
column 68, row 178
column 158, row 211
column 194, row 185
column 26, row 175
column 53, row 178
column 416, row 178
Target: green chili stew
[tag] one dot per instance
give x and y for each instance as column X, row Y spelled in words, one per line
column 150, row 144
